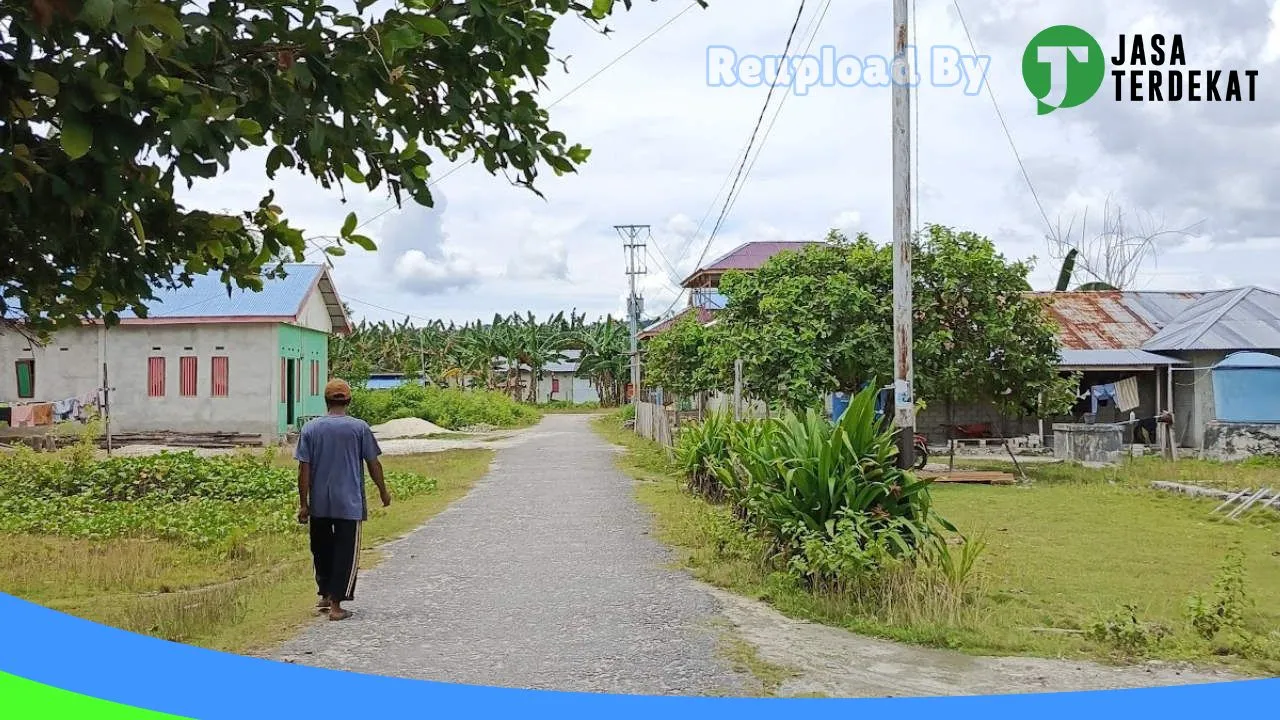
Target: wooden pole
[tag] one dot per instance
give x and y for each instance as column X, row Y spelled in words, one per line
column 106, row 405
column 904, row 399
column 737, row 389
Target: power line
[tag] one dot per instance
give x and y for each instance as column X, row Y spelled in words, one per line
column 812, row 33
column 759, row 121
column 558, row 100
column 746, row 155
column 358, row 301
column 1008, row 135
column 667, row 269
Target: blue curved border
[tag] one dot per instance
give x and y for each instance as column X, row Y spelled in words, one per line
column 77, row 655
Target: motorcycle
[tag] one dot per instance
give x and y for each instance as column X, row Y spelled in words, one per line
column 919, row 444
column 921, row 453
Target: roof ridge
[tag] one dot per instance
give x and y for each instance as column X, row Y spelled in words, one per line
column 1216, row 317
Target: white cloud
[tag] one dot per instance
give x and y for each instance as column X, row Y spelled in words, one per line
column 417, row 273
column 663, row 145
column 540, row 261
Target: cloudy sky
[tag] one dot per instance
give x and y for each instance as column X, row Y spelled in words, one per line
column 664, row 142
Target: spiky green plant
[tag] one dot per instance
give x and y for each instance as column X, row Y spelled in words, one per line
column 803, row 478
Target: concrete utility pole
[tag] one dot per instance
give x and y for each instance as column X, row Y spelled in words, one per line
column 634, row 245
column 904, row 415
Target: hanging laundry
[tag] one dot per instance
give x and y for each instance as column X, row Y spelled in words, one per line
column 23, row 416
column 1127, row 394
column 67, row 409
column 1102, row 392
column 42, row 414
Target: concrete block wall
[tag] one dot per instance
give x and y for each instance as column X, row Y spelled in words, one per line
column 931, row 423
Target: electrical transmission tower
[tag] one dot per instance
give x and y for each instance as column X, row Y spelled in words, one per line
column 633, row 243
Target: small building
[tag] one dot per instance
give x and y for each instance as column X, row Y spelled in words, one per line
column 201, row 361
column 1167, row 343
column 558, row 382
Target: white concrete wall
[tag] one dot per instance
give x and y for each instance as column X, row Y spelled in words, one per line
column 68, row 366
column 253, row 378
column 573, row 389
column 315, row 314
column 1193, row 397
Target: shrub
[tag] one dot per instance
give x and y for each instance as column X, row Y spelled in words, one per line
column 806, row 478
column 449, row 408
column 172, row 496
column 1225, row 610
column 702, row 450
column 1123, row 631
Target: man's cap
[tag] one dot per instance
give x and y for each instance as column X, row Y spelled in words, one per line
column 337, row 390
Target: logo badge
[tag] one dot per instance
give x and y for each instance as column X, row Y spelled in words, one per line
column 1063, row 66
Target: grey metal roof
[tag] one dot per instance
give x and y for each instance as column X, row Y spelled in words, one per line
column 1114, row 358
column 1241, row 319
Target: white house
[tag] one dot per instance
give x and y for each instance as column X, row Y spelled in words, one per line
column 202, row 361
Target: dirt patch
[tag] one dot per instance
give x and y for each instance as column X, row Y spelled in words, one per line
column 832, row 662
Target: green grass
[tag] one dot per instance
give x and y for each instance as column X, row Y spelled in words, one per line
column 246, row 597
column 1074, row 546
column 451, row 408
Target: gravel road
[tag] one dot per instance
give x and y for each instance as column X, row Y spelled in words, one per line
column 544, row 576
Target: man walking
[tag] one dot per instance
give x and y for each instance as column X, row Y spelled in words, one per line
column 331, row 496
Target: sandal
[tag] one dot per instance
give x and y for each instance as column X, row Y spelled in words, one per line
column 323, row 605
column 339, row 614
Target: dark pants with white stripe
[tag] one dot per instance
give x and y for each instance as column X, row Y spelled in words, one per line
column 335, row 547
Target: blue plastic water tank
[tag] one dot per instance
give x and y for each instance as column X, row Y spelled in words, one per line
column 1246, row 388
column 839, row 403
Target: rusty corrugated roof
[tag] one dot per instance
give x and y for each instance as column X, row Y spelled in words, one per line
column 1113, row 320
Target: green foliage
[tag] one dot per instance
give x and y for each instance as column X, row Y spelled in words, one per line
column 105, row 106
column 828, row 496
column 821, row 319
column 1123, row 631
column 681, row 359
column 172, row 496
column 1067, row 271
column 448, row 408
column 978, row 335
column 476, row 354
column 1225, row 610
column 810, row 321
column 702, row 450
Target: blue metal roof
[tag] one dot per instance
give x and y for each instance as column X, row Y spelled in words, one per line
column 207, row 297
column 1249, row 360
column 1114, row 358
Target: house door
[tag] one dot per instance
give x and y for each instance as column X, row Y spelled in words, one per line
column 291, row 392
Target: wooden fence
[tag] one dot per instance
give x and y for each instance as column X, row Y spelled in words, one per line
column 660, row 422
column 655, row 422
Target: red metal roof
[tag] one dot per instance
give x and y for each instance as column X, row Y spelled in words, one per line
column 704, row 317
column 748, row 256
column 1112, row 320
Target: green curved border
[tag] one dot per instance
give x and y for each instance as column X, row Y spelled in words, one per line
column 22, row 699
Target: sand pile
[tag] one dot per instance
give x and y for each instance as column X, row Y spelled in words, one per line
column 408, row 428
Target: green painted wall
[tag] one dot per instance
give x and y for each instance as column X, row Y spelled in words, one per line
column 303, row 345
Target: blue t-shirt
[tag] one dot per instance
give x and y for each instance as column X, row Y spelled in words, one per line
column 335, row 446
